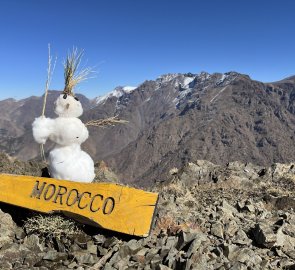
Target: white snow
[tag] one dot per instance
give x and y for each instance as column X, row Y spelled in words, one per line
column 222, row 79
column 167, row 77
column 204, row 76
column 185, row 83
column 117, row 92
column 182, row 95
column 66, row 160
column 68, row 107
column 163, row 79
column 129, row 89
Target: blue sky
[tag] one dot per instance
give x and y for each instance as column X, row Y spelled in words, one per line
column 129, row 41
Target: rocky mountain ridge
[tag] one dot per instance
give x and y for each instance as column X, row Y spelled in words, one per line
column 173, row 120
column 234, row 216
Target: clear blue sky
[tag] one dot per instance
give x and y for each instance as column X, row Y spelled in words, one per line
column 130, row 41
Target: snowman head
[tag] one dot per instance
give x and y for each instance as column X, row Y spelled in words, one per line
column 68, row 106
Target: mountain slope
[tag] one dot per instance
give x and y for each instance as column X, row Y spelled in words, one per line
column 236, row 120
column 173, row 120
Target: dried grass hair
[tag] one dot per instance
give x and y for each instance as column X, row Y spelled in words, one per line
column 73, row 75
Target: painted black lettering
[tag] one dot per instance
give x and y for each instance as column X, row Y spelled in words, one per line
column 108, row 209
column 60, row 192
column 76, row 198
column 47, row 193
column 80, row 199
column 92, row 201
column 37, row 191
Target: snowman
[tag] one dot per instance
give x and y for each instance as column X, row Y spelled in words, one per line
column 66, row 160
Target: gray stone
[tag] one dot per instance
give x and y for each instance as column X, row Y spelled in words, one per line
column 285, row 263
column 240, row 205
column 264, row 235
column 81, row 240
column 121, row 264
column 84, row 257
column 230, row 251
column 108, row 266
column 170, row 259
column 116, row 257
column 198, row 263
column 155, row 261
column 241, row 238
column 32, row 258
column 60, row 245
column 164, row 251
column 231, row 228
column 91, row 248
column 72, row 265
column 142, row 252
column 171, row 241
column 217, row 229
column 184, row 239
column 138, row 258
column 134, row 246
column 162, row 267
column 285, row 241
column 7, row 229
column 152, row 253
column 230, row 209
column 244, row 255
column 291, row 253
column 74, row 247
column 6, row 265
column 101, row 251
column 124, row 251
column 289, row 229
column 196, row 244
column 98, row 239
column 238, row 266
column 110, row 242
column 32, row 242
column 19, row 233
column 250, row 208
column 55, row 256
column 14, row 253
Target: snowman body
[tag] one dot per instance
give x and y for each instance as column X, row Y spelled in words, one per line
column 66, row 160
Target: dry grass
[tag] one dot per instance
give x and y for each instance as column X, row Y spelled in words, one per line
column 167, row 225
column 73, row 75
column 50, row 71
column 51, row 226
column 112, row 121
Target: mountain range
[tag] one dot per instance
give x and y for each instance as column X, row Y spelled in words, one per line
column 173, row 120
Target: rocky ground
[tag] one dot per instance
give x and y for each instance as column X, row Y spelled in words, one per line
column 237, row 216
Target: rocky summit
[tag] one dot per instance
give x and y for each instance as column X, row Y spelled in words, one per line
column 232, row 216
column 173, row 120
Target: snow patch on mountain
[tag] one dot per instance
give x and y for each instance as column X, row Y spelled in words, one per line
column 117, row 92
column 129, row 89
column 227, row 78
column 179, row 80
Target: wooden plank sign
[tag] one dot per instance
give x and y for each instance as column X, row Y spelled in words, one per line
column 109, row 206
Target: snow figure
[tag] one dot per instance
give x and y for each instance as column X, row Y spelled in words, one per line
column 66, row 160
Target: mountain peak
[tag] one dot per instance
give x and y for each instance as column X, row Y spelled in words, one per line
column 117, row 92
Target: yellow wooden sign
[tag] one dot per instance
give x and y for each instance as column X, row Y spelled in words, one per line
column 110, row 206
